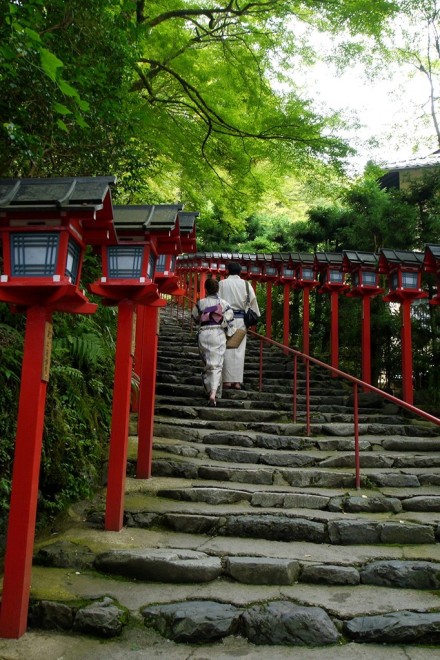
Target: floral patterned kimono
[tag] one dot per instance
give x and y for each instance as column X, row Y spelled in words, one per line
column 216, row 320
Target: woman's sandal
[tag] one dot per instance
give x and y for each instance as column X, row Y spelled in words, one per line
column 237, row 386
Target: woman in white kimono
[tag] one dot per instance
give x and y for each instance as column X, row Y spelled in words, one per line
column 234, row 290
column 216, row 320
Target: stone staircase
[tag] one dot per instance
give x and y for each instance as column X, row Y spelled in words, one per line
column 249, row 528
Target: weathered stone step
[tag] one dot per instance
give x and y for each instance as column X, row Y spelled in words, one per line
column 173, row 385
column 412, row 436
column 174, row 435
column 372, row 503
column 195, row 468
column 199, row 399
column 251, row 415
column 289, row 527
column 183, row 566
column 267, row 615
column 312, row 457
column 239, row 414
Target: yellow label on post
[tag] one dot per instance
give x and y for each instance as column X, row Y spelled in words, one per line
column 47, row 351
column 133, row 335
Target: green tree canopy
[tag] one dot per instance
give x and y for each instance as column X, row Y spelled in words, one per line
column 178, row 99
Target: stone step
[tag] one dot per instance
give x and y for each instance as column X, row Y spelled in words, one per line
column 352, row 584
column 199, row 399
column 316, row 456
column 250, row 416
column 251, row 530
column 183, row 566
column 412, row 434
column 180, row 389
column 179, row 466
column 247, row 438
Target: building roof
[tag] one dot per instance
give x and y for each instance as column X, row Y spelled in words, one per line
column 432, row 160
column 55, row 193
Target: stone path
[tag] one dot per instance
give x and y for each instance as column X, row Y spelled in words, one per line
column 251, row 531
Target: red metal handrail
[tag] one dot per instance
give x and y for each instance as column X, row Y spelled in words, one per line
column 308, row 360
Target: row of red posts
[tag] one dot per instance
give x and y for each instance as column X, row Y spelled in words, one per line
column 45, row 227
column 355, row 274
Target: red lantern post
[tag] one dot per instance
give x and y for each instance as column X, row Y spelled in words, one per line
column 304, row 265
column 128, row 271
column 286, row 278
column 365, row 285
column 44, row 223
column 330, row 265
column 404, row 278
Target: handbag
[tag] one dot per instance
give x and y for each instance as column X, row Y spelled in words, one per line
column 250, row 317
column 235, row 340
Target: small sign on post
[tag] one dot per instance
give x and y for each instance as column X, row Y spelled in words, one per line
column 48, row 336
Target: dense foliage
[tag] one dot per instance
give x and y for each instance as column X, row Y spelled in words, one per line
column 197, row 102
column 367, row 217
column 78, row 405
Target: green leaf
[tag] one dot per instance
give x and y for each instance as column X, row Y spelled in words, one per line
column 62, row 125
column 50, row 63
column 34, row 36
column 67, row 89
column 81, row 122
column 61, row 109
column 83, row 105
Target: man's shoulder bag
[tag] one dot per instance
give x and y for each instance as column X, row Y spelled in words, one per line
column 250, row 317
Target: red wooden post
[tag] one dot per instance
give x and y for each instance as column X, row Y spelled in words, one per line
column 203, row 278
column 117, row 466
column 286, row 316
column 147, row 393
column 22, row 515
column 334, row 332
column 269, row 310
column 366, row 339
column 137, row 354
column 306, row 321
column 407, row 361
column 357, row 457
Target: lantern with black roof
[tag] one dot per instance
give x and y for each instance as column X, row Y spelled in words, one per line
column 187, row 227
column 202, row 266
column 305, row 280
column 128, row 268
column 269, row 275
column 329, row 264
column 404, row 271
column 214, row 262
column 286, row 269
column 362, row 267
column 224, row 259
column 432, row 265
column 245, row 262
column 45, row 225
column 128, row 265
column 255, row 268
column 286, row 278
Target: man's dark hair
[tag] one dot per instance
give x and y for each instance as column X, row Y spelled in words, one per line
column 211, row 286
column 234, row 268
